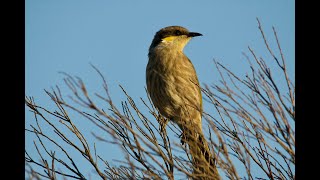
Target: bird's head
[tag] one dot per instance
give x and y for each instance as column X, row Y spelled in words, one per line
column 173, row 37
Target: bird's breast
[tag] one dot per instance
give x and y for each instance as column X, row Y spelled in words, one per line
column 172, row 82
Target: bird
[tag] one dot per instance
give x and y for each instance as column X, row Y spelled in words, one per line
column 173, row 85
column 172, row 80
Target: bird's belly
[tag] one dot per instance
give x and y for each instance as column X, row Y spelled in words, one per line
column 174, row 94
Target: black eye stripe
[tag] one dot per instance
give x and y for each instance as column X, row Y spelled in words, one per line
column 168, row 33
column 177, row 33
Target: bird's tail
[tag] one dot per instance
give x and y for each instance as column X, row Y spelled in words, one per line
column 202, row 158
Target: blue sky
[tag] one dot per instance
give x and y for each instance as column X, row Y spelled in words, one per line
column 115, row 36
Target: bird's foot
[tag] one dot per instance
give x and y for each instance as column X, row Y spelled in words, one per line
column 183, row 138
column 163, row 123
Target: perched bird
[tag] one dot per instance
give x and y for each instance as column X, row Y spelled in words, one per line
column 173, row 86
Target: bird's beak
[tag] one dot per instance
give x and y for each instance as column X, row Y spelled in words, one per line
column 194, row 34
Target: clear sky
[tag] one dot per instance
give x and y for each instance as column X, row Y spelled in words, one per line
column 115, row 36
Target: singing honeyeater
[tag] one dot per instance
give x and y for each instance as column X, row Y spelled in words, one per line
column 173, row 86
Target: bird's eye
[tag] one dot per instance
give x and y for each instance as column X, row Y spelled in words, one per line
column 177, row 32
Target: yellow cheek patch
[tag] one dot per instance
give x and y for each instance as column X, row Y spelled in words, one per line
column 170, row 38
